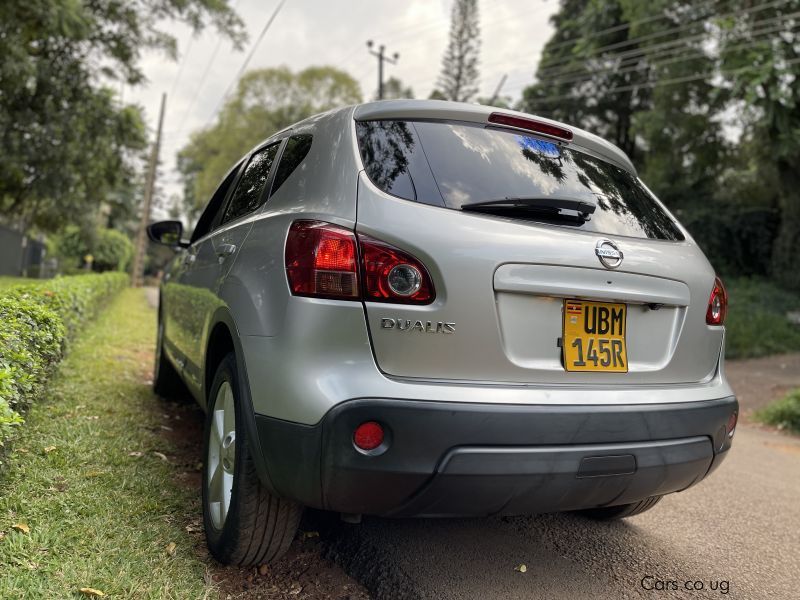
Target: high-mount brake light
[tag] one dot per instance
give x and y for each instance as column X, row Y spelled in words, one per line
column 547, row 129
column 717, row 304
column 322, row 261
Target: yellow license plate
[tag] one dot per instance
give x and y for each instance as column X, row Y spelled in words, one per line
column 594, row 336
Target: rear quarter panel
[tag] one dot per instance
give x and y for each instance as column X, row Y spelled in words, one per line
column 323, row 187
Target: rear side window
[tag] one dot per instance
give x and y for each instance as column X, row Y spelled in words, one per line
column 471, row 163
column 247, row 196
column 296, row 150
column 215, row 205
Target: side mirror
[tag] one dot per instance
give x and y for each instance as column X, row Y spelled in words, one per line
column 166, row 232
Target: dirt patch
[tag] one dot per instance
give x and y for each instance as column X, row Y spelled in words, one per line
column 302, row 573
column 759, row 381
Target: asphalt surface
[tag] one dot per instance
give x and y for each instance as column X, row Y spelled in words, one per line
column 737, row 532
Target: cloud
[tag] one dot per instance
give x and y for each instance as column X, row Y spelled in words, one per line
column 313, row 32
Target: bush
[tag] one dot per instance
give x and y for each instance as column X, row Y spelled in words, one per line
column 35, row 322
column 110, row 249
column 757, row 323
column 785, row 413
column 736, row 239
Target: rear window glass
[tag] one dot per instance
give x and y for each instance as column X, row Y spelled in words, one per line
column 247, row 196
column 452, row 164
column 297, row 148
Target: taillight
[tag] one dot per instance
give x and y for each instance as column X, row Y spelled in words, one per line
column 391, row 275
column 321, row 261
column 531, row 125
column 717, row 304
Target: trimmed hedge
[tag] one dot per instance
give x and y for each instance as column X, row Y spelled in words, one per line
column 36, row 320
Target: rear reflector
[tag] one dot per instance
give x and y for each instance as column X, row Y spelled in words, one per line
column 730, row 426
column 368, row 436
column 531, row 125
column 717, row 304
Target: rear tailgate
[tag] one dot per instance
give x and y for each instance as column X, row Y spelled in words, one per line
column 502, row 283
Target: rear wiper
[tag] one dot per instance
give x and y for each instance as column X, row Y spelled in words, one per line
column 552, row 206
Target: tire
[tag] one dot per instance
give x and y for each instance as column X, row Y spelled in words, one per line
column 256, row 527
column 167, row 382
column 612, row 513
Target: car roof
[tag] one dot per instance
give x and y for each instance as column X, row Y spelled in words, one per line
column 462, row 111
column 478, row 113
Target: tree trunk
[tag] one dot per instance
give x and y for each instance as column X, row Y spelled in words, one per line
column 785, row 265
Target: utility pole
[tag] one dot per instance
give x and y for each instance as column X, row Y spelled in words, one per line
column 141, row 237
column 381, row 59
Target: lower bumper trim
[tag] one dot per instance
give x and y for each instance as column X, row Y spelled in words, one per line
column 510, row 481
column 460, row 459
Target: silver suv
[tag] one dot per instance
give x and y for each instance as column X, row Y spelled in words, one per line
column 423, row 308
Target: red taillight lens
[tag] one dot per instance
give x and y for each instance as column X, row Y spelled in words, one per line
column 531, row 125
column 368, row 436
column 321, row 261
column 717, row 304
column 391, row 275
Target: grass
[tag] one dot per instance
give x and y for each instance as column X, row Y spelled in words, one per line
column 99, row 516
column 757, row 323
column 784, row 413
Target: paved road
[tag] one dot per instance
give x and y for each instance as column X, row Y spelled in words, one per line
column 741, row 526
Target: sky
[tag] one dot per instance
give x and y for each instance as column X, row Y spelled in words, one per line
column 333, row 32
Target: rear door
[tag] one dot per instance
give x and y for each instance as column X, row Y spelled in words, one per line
column 619, row 286
column 181, row 320
column 214, row 255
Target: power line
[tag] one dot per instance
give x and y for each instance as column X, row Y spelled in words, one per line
column 665, row 82
column 635, row 40
column 587, row 75
column 679, row 43
column 248, row 57
column 613, row 29
column 662, row 60
column 203, row 77
column 642, row 51
column 199, row 87
column 182, row 64
column 629, row 41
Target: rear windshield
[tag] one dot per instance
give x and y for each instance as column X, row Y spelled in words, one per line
column 453, row 164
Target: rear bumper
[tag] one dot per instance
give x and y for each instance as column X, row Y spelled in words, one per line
column 459, row 459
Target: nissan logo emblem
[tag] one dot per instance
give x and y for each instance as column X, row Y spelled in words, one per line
column 608, row 253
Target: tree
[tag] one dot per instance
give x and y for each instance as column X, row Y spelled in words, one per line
column 66, row 143
column 111, row 250
column 581, row 62
column 266, row 101
column 394, row 89
column 459, row 77
column 610, row 67
column 764, row 79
